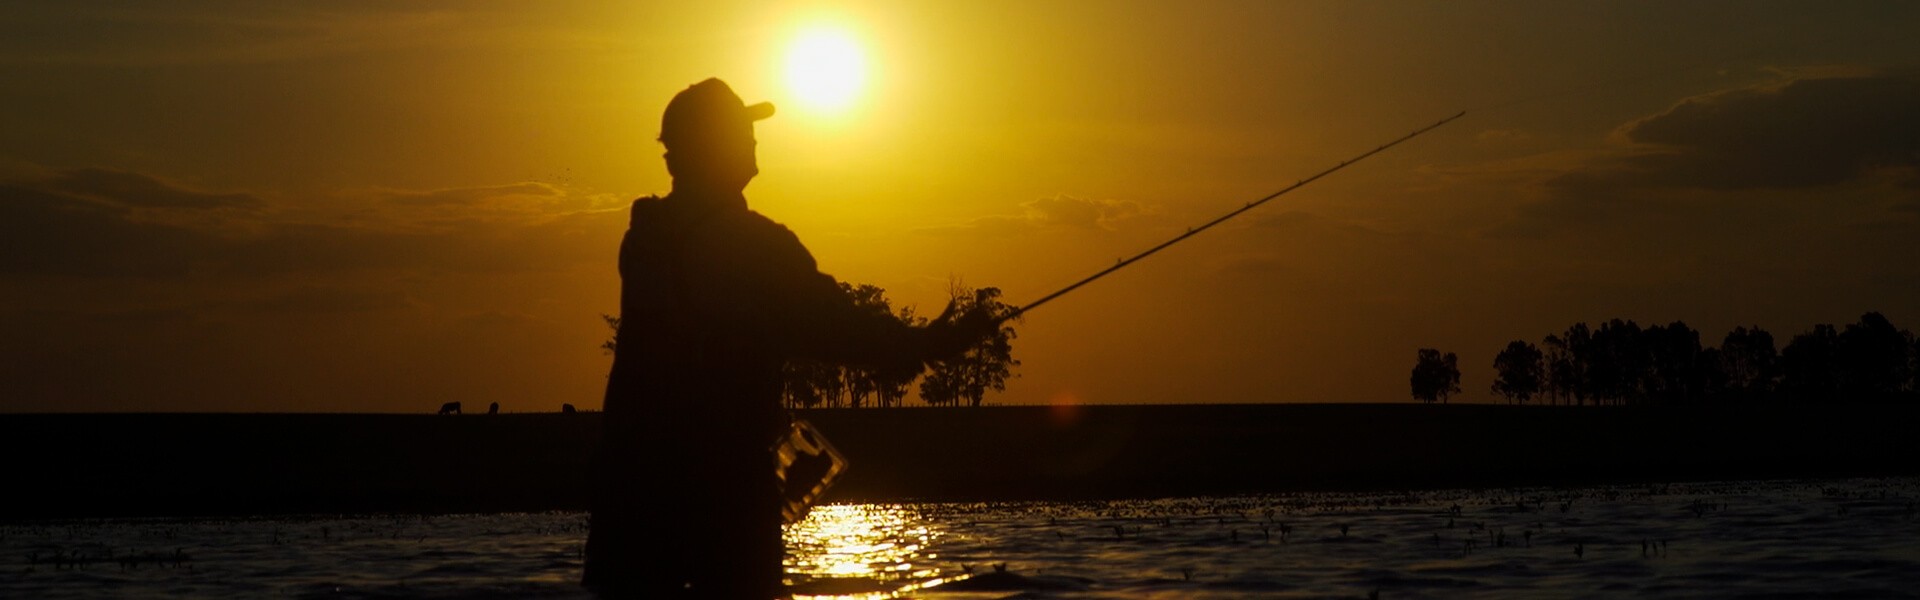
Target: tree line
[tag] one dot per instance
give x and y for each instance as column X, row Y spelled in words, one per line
column 964, row 381
column 1620, row 363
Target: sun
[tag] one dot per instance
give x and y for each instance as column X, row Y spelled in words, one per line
column 826, row 69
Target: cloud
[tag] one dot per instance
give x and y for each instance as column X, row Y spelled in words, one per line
column 1713, row 153
column 1056, row 211
column 472, row 196
column 105, row 223
column 45, row 231
column 514, row 206
column 1081, row 212
column 1806, row 133
column 141, row 191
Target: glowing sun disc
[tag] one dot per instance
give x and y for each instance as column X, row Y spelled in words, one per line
column 826, row 69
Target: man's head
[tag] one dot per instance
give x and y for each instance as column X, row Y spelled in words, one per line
column 708, row 132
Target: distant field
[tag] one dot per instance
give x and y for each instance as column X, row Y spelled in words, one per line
column 249, row 464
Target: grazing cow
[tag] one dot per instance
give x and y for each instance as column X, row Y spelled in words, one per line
column 493, row 409
column 450, row 408
column 566, row 409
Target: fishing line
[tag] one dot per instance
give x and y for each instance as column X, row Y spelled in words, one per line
column 1191, row 231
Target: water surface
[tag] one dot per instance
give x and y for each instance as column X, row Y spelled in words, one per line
column 1846, row 538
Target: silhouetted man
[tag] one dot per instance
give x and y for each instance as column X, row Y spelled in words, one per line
column 714, row 299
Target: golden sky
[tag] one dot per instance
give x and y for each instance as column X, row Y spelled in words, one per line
column 384, row 206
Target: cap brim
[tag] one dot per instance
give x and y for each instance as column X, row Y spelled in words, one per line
column 759, row 111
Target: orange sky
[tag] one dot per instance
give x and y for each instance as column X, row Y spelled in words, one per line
column 364, row 207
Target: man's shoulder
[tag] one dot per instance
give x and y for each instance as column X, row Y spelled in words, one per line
column 659, row 210
column 748, row 225
column 752, row 238
column 648, row 208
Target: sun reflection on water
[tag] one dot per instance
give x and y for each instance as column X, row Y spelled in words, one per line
column 860, row 551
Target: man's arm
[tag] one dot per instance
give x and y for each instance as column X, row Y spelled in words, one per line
column 808, row 314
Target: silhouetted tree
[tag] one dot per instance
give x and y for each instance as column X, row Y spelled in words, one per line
column 864, row 382
column 1435, row 376
column 890, row 387
column 1570, row 372
column 1675, row 373
column 812, row 384
column 1873, row 359
column 1622, row 363
column 1617, row 362
column 1561, row 378
column 1713, row 378
column 1913, row 366
column 1518, row 372
column 986, row 366
column 1750, row 363
column 1810, row 365
column 613, row 343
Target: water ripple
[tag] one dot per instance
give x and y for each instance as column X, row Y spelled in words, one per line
column 1843, row 539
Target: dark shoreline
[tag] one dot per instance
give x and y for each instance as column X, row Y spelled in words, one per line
column 159, row 465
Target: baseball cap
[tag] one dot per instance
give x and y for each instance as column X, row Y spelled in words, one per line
column 706, row 109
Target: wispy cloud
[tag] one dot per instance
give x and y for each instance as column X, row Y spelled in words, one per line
column 107, row 223
column 471, row 196
column 1805, row 133
column 1845, row 129
column 142, row 191
column 1056, row 211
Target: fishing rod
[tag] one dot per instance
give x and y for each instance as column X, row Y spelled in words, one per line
column 1209, row 224
column 804, row 443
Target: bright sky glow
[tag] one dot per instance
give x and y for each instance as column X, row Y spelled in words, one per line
column 826, row 69
column 380, row 207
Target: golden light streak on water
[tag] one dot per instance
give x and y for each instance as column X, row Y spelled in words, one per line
column 860, row 552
